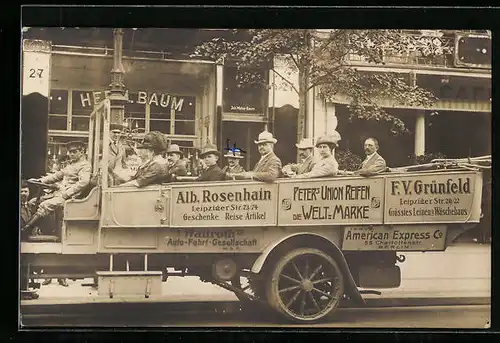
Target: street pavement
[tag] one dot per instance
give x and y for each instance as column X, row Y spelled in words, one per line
column 461, row 273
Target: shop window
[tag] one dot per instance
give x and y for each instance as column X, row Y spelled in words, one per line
column 135, row 114
column 160, row 118
column 244, row 91
column 185, row 117
column 58, row 109
column 82, row 105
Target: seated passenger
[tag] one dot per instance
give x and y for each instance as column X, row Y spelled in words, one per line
column 175, row 166
column 233, row 164
column 74, row 178
column 212, row 171
column 268, row 168
column 327, row 165
column 373, row 163
column 306, row 147
column 152, row 169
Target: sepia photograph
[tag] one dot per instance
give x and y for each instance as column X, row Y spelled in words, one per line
column 277, row 178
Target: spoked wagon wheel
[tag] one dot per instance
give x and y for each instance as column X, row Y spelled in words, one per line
column 306, row 285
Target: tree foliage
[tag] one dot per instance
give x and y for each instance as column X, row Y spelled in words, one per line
column 323, row 59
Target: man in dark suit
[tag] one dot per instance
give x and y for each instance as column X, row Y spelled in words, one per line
column 268, row 168
column 373, row 163
column 212, row 171
column 175, row 166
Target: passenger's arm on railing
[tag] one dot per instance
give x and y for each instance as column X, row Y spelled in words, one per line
column 83, row 181
column 271, row 174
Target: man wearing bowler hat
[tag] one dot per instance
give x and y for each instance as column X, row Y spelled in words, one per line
column 268, row 168
column 212, row 172
column 72, row 180
column 233, row 163
column 152, row 169
column 308, row 160
column 175, row 166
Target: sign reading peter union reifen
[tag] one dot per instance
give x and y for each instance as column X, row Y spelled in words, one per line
column 225, row 205
column 327, row 202
column 432, row 198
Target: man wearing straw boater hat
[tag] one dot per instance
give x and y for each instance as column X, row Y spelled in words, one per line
column 212, row 171
column 233, row 162
column 327, row 165
column 268, row 168
column 306, row 147
column 71, row 180
column 152, row 169
column 175, row 166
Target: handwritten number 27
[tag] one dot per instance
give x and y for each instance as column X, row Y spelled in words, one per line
column 36, row 73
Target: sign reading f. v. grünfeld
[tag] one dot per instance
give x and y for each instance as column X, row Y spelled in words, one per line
column 229, row 205
column 330, row 202
column 433, row 198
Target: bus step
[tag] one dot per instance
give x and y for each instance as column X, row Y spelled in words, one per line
column 129, row 283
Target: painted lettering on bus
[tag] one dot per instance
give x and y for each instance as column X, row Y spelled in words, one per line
column 344, row 192
column 209, row 196
column 460, row 186
column 338, row 212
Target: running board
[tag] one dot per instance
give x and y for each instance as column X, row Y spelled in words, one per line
column 41, row 248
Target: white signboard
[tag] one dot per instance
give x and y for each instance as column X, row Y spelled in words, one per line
column 36, row 67
column 331, row 202
column 433, row 198
column 224, row 205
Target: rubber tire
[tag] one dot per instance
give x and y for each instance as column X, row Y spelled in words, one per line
column 272, row 282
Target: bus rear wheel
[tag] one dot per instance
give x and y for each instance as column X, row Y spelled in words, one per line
column 305, row 285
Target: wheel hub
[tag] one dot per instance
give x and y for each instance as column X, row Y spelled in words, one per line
column 307, row 285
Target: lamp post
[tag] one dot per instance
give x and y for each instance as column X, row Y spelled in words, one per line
column 117, row 95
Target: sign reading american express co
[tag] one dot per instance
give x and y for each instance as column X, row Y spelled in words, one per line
column 229, row 205
column 397, row 238
column 332, row 201
column 433, row 198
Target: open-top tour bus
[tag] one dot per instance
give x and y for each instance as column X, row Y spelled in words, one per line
column 299, row 247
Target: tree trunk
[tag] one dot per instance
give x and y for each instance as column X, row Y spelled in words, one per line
column 301, row 118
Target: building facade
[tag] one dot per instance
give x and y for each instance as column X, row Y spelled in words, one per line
column 194, row 101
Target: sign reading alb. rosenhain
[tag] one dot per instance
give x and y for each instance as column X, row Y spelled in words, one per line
column 226, row 205
column 331, row 202
column 433, row 198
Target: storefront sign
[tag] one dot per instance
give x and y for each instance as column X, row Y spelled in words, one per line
column 432, row 198
column 353, row 201
column 214, row 239
column 164, row 100
column 228, row 205
column 398, row 238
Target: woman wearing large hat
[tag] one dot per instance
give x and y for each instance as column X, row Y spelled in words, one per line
column 212, row 171
column 152, row 169
column 327, row 165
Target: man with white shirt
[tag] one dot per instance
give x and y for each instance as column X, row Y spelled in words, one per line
column 269, row 166
column 373, row 163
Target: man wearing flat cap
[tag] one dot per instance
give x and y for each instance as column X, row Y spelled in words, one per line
column 307, row 159
column 233, row 163
column 268, row 168
column 175, row 166
column 327, row 165
column 152, row 169
column 212, row 172
column 71, row 180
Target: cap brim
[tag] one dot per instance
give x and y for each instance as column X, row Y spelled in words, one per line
column 274, row 141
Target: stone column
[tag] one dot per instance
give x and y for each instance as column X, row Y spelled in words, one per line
column 420, row 133
column 117, row 86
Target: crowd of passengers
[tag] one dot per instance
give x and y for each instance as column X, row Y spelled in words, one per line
column 162, row 163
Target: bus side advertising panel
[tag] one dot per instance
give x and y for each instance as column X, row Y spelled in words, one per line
column 432, row 198
column 332, row 202
column 224, row 205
